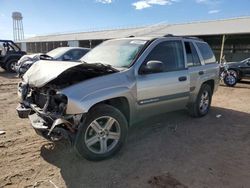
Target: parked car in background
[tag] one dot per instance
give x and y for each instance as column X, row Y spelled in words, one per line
column 117, row 84
column 58, row 54
column 10, row 53
column 240, row 69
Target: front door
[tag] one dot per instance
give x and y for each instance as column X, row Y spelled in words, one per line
column 167, row 90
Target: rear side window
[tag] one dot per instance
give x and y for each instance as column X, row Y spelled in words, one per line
column 170, row 53
column 192, row 55
column 206, row 52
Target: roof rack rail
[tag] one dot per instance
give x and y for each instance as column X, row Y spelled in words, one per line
column 168, row 35
column 194, row 38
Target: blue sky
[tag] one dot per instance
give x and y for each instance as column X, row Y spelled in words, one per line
column 56, row 16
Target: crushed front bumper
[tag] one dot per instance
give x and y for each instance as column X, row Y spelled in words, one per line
column 49, row 126
column 22, row 111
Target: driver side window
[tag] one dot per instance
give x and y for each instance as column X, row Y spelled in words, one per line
column 170, row 53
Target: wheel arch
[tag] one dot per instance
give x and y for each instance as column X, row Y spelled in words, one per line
column 239, row 72
column 211, row 83
column 12, row 57
column 121, row 103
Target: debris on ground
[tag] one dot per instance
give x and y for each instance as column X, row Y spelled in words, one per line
column 44, row 183
column 219, row 116
column 2, row 132
column 165, row 181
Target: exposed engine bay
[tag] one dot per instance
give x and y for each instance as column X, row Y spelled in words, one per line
column 46, row 107
column 80, row 73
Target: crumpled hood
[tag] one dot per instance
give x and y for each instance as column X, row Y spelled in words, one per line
column 30, row 57
column 42, row 72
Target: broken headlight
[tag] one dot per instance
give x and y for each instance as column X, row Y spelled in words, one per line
column 23, row 90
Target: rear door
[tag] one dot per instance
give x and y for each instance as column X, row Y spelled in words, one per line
column 195, row 67
column 168, row 90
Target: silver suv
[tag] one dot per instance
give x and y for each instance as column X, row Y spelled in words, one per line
column 118, row 83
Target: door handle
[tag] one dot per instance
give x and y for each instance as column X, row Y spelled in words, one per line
column 182, row 78
column 201, row 72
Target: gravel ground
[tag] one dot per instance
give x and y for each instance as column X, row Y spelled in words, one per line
column 171, row 150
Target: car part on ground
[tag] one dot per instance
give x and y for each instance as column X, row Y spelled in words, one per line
column 58, row 54
column 10, row 53
column 117, row 84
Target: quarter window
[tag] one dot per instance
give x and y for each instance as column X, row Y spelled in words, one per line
column 192, row 55
column 170, row 53
column 206, row 52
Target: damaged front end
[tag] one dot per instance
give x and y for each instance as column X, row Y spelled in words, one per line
column 42, row 102
column 46, row 109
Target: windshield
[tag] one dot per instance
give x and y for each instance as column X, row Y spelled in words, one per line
column 56, row 53
column 117, row 53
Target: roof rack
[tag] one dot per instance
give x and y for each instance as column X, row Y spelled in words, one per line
column 194, row 38
column 168, row 35
column 186, row 37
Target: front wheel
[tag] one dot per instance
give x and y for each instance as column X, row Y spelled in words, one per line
column 103, row 133
column 203, row 102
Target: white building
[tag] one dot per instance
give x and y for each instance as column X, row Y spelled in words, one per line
column 236, row 32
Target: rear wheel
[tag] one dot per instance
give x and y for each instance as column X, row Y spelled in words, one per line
column 103, row 133
column 10, row 65
column 230, row 80
column 234, row 73
column 203, row 102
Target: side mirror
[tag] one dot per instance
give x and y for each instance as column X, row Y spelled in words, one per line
column 66, row 57
column 152, row 67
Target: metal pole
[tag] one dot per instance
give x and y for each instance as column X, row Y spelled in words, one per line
column 13, row 29
column 222, row 47
column 90, row 44
column 18, row 30
column 22, row 32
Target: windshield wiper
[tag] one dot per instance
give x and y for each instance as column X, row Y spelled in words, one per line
column 102, row 65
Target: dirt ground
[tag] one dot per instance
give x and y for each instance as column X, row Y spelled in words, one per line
column 171, row 150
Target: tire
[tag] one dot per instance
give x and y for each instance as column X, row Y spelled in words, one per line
column 94, row 140
column 230, row 80
column 234, row 73
column 204, row 97
column 10, row 65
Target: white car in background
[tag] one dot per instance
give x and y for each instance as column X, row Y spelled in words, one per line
column 58, row 54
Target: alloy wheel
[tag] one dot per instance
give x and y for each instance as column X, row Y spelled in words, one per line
column 230, row 79
column 102, row 135
column 204, row 102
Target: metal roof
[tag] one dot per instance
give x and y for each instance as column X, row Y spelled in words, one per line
column 215, row 27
